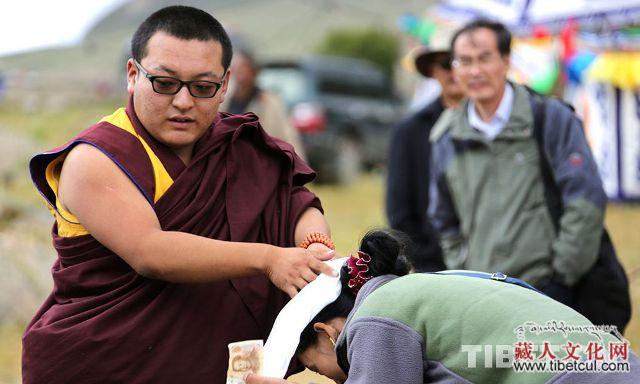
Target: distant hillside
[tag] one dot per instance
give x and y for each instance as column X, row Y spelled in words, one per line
column 274, row 28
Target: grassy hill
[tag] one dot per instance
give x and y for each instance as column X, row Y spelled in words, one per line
column 273, row 27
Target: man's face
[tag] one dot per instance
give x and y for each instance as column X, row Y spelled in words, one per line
column 444, row 76
column 479, row 67
column 179, row 120
column 244, row 73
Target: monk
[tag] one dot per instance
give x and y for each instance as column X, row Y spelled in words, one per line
column 175, row 225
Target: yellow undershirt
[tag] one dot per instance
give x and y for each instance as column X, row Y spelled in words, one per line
column 68, row 224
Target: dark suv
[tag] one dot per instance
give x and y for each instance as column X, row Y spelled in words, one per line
column 343, row 109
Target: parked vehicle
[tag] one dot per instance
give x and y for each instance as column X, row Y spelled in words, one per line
column 343, row 108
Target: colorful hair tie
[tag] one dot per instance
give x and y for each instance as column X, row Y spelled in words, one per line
column 359, row 273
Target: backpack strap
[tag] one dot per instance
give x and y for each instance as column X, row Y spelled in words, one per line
column 497, row 276
column 552, row 194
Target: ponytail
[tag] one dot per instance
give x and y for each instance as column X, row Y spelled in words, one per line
column 387, row 249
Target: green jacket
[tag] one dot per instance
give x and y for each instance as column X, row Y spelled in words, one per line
column 439, row 328
column 487, row 197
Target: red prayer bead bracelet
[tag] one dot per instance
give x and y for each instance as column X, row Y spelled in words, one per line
column 317, row 237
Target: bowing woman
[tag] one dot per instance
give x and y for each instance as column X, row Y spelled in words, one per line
column 389, row 327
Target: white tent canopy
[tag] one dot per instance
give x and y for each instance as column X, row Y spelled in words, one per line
column 522, row 13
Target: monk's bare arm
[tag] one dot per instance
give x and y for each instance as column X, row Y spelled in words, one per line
column 311, row 220
column 114, row 211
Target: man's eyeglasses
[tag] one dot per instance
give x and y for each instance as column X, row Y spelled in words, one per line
column 167, row 85
column 465, row 62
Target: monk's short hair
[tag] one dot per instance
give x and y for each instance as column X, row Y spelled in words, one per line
column 183, row 22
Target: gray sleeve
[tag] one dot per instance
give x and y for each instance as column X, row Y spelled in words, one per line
column 383, row 351
column 575, row 172
column 442, row 212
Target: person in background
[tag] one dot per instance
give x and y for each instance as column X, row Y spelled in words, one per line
column 496, row 160
column 407, row 184
column 246, row 96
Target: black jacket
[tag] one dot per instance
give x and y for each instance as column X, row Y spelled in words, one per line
column 407, row 195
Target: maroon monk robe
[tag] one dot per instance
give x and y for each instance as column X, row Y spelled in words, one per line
column 103, row 322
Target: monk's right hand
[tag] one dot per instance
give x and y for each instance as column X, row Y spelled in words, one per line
column 291, row 269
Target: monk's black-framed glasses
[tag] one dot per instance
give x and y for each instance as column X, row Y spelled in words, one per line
column 167, row 85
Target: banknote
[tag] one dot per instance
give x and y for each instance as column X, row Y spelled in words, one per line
column 244, row 357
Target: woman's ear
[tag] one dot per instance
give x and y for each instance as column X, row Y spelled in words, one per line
column 327, row 329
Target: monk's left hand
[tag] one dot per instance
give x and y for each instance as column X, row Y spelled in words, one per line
column 255, row 379
column 320, row 251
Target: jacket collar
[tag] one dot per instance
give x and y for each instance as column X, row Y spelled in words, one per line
column 518, row 126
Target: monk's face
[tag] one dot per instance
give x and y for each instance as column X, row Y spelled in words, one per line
column 179, row 120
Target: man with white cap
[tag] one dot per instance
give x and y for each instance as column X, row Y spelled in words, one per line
column 407, row 193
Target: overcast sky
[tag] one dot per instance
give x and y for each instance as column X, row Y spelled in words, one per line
column 31, row 24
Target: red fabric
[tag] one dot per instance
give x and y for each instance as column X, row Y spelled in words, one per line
column 105, row 323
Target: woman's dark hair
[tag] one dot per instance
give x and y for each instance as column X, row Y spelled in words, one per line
column 185, row 23
column 503, row 36
column 387, row 249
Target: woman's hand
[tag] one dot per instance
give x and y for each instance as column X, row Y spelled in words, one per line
column 255, row 379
